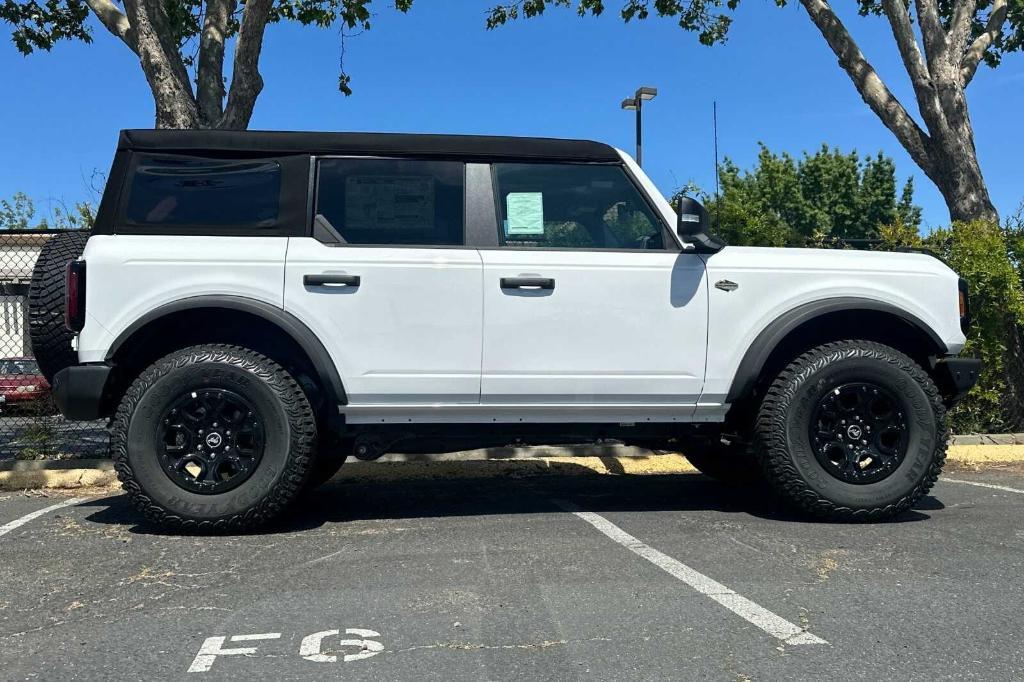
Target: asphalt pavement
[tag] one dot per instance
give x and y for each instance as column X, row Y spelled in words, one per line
column 550, row 578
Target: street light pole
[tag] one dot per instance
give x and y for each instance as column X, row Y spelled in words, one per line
column 635, row 103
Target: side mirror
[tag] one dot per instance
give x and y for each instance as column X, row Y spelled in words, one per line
column 691, row 218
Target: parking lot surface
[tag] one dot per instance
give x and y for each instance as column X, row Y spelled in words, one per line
column 602, row 577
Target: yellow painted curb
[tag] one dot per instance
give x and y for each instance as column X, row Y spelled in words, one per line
column 986, row 454
column 636, row 465
column 56, row 478
column 516, row 468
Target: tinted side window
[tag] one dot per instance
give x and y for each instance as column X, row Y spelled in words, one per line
column 176, row 190
column 584, row 206
column 393, row 201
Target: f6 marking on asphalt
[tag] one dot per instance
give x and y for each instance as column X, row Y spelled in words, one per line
column 310, row 649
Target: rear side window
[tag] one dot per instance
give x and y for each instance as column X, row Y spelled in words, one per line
column 182, row 191
column 393, row 201
column 581, row 206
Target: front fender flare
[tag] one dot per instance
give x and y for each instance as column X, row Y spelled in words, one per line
column 771, row 336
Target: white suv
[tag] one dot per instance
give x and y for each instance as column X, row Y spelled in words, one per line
column 262, row 304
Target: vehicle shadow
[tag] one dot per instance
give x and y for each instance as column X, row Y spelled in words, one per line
column 344, row 500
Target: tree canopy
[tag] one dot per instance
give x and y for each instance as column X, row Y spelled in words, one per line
column 814, row 199
column 181, row 45
column 941, row 44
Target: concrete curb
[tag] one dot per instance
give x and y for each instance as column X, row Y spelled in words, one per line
column 501, row 462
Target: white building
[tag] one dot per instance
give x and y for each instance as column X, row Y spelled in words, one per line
column 18, row 253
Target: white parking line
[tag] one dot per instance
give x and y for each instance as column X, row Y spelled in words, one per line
column 17, row 523
column 774, row 625
column 1004, row 488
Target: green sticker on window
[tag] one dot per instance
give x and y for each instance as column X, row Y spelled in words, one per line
column 525, row 211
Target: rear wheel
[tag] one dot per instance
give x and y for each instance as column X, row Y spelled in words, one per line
column 214, row 437
column 51, row 340
column 852, row 430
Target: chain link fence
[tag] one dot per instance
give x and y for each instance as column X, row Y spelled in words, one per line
column 30, row 425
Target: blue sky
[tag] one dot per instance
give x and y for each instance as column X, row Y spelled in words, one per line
column 437, row 69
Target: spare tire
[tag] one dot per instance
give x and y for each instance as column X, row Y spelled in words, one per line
column 51, row 340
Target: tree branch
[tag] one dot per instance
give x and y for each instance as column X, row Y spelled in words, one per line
column 115, row 21
column 993, row 27
column 161, row 62
column 960, row 27
column 210, row 71
column 936, row 47
column 920, row 78
column 871, row 88
column 246, row 81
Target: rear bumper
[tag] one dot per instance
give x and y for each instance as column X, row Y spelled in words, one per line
column 955, row 377
column 78, row 391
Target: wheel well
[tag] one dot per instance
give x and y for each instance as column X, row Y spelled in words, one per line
column 870, row 325
column 204, row 325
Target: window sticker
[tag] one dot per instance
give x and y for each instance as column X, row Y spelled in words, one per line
column 389, row 202
column 525, row 211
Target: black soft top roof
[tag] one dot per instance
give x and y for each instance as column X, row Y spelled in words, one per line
column 251, row 142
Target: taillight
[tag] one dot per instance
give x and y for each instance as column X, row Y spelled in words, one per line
column 74, row 296
column 965, row 305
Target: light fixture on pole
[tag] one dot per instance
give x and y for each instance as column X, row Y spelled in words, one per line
column 635, row 103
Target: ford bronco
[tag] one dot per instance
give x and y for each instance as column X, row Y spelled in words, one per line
column 252, row 308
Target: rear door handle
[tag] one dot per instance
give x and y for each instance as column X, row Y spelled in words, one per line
column 331, row 280
column 527, row 283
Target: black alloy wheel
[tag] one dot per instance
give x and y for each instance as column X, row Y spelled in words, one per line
column 210, row 441
column 859, row 433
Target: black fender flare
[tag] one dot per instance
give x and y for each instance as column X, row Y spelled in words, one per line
column 771, row 336
column 283, row 320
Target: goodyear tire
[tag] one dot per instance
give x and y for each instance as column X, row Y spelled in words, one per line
column 852, row 431
column 51, row 340
column 214, row 437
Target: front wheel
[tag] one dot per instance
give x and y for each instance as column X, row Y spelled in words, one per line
column 214, row 437
column 852, row 430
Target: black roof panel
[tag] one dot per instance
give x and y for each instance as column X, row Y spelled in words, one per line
column 249, row 142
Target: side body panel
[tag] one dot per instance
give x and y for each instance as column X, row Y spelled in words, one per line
column 131, row 275
column 408, row 334
column 772, row 282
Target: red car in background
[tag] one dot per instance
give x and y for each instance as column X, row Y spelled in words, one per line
column 21, row 383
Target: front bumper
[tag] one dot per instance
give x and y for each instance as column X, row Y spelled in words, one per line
column 955, row 377
column 78, row 391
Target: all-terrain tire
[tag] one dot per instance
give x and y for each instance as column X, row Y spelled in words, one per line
column 732, row 463
column 782, row 440
column 278, row 401
column 51, row 340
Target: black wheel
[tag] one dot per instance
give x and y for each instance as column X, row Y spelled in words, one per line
column 730, row 462
column 214, row 437
column 51, row 340
column 852, row 430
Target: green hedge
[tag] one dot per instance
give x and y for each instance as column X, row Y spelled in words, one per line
column 986, row 255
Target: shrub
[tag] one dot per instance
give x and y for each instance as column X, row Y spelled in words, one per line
column 981, row 253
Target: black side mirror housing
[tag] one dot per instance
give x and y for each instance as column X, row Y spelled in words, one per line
column 691, row 218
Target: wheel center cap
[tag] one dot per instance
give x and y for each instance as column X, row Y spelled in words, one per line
column 854, row 432
column 214, row 440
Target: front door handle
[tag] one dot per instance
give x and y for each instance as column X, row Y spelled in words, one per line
column 331, row 280
column 527, row 283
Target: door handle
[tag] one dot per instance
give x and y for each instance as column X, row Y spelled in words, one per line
column 527, row 283
column 330, row 280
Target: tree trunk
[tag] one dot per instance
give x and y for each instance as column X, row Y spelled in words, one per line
column 939, row 76
column 958, row 176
